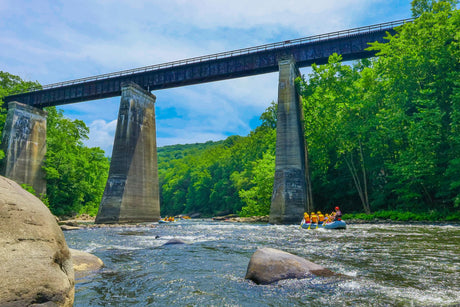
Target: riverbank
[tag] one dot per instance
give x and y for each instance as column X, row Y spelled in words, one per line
column 86, row 221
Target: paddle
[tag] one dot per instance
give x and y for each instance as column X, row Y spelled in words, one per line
column 302, row 222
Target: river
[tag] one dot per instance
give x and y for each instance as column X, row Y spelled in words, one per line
column 390, row 265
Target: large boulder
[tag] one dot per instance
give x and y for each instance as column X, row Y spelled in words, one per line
column 35, row 262
column 268, row 265
column 84, row 263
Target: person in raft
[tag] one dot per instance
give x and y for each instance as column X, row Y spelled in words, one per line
column 306, row 218
column 320, row 217
column 338, row 214
column 314, row 218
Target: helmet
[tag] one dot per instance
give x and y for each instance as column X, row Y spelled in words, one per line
column 305, row 214
column 313, row 213
column 336, row 208
column 319, row 212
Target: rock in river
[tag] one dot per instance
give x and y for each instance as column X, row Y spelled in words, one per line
column 85, row 263
column 268, row 265
column 35, row 262
column 174, row 241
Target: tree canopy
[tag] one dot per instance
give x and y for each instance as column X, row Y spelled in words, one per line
column 76, row 175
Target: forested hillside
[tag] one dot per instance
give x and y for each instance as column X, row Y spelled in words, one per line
column 219, row 177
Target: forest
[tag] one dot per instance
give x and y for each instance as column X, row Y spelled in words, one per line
column 383, row 135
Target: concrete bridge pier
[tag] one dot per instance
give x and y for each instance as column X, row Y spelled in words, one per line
column 132, row 190
column 24, row 145
column 289, row 199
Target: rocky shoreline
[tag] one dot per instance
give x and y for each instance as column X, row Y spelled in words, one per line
column 86, row 221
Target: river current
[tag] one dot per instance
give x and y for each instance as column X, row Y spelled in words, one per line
column 389, row 265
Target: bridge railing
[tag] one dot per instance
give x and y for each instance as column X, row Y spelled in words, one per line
column 215, row 56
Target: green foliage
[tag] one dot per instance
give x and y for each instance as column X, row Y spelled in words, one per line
column 260, row 178
column 28, row 188
column 405, row 216
column 419, row 72
column 385, row 133
column 75, row 174
column 424, row 6
column 219, row 177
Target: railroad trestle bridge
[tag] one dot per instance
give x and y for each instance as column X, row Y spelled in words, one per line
column 132, row 189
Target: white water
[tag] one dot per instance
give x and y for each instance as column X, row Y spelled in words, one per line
column 391, row 265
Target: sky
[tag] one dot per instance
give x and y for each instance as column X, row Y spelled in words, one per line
column 58, row 40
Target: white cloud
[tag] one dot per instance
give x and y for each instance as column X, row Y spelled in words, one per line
column 102, row 134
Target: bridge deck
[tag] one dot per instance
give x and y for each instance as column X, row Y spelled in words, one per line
column 351, row 44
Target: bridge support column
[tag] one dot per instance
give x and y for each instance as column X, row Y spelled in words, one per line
column 132, row 190
column 289, row 199
column 24, row 144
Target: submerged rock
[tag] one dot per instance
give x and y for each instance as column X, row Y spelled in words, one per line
column 35, row 262
column 175, row 241
column 268, row 265
column 85, row 263
column 68, row 228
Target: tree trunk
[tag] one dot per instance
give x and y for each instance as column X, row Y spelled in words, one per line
column 362, row 192
column 367, row 207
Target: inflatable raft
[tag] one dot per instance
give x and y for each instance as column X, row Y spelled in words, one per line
column 162, row 221
column 334, row 225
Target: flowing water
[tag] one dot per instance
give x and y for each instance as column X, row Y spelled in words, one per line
column 390, row 265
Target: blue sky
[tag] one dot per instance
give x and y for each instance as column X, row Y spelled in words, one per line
column 52, row 40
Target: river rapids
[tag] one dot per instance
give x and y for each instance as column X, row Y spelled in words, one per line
column 389, row 265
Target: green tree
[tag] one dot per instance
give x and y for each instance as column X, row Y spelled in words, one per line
column 257, row 199
column 335, row 112
column 418, row 7
column 200, row 178
column 75, row 174
column 419, row 72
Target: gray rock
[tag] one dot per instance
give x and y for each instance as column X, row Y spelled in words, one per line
column 35, row 262
column 268, row 265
